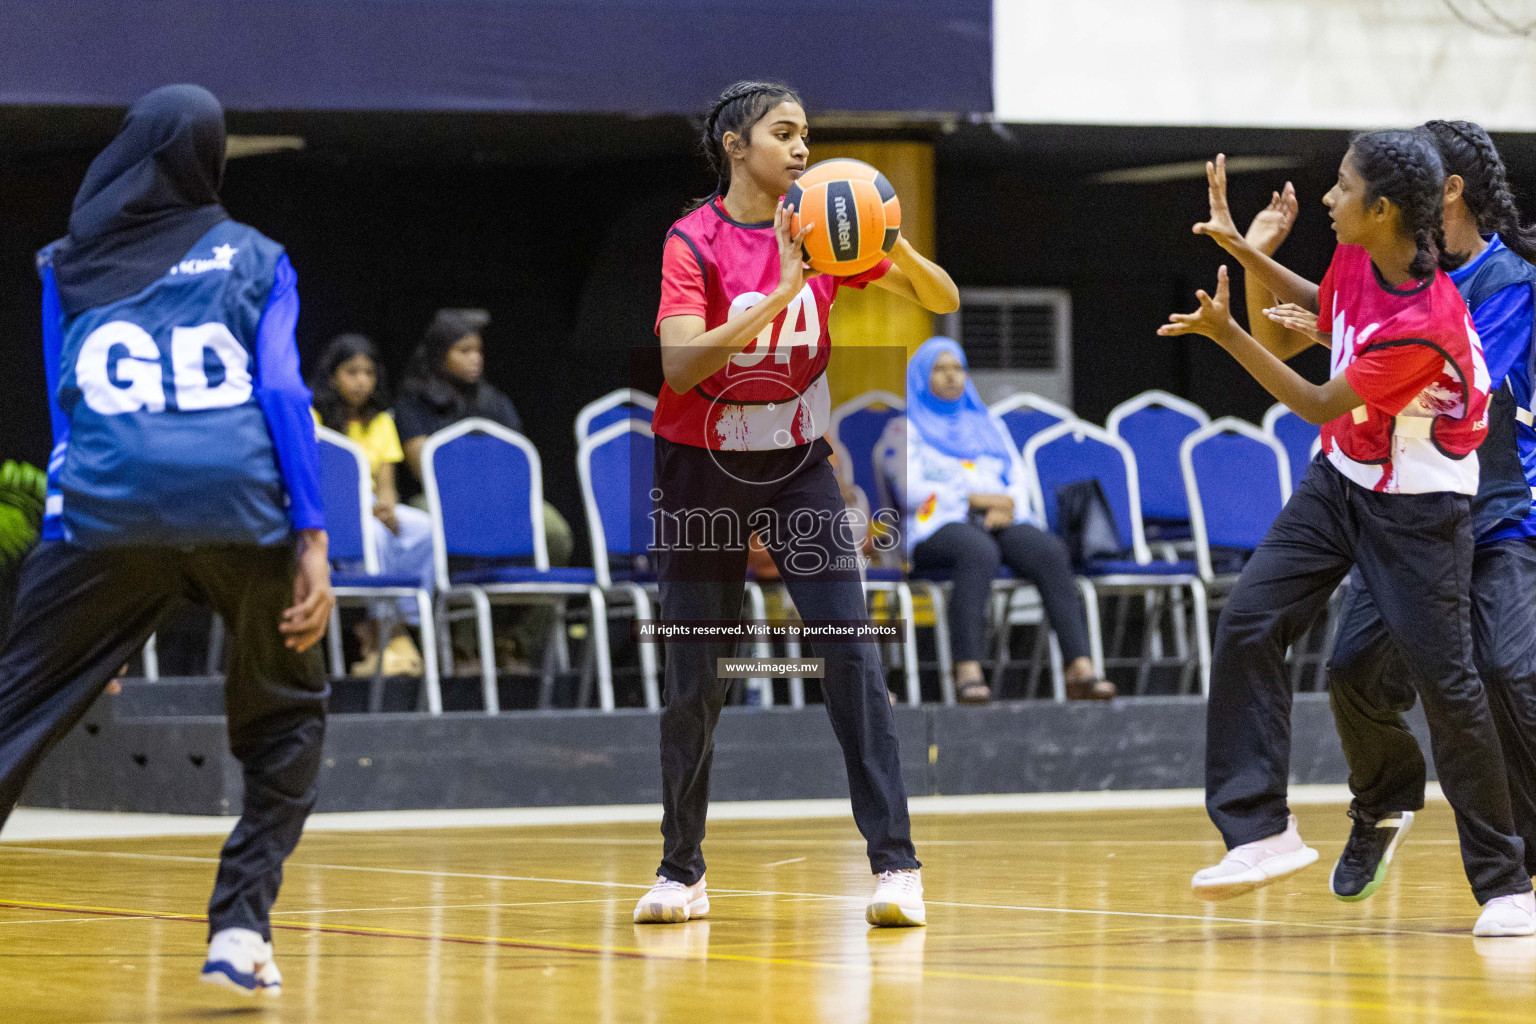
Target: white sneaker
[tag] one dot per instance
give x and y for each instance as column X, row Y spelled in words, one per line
column 898, row 900
column 238, row 958
column 1507, row 915
column 670, row 902
column 1255, row 865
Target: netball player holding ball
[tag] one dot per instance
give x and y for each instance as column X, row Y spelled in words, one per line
column 1403, row 414
column 744, row 347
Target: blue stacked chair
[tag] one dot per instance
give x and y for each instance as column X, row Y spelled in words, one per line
column 614, row 407
column 1071, row 452
column 853, row 432
column 346, row 493
column 616, row 467
column 1154, row 424
column 1300, row 438
column 1237, row 478
column 485, row 491
column 1025, row 414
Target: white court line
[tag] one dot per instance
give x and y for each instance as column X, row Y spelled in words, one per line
column 31, row 824
column 752, row 892
column 781, row 863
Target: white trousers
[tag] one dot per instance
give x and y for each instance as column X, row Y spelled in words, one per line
column 407, row 553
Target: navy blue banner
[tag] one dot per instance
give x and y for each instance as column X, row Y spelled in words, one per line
column 630, row 56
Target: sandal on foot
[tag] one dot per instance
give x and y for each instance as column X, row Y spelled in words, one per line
column 974, row 692
column 1090, row 689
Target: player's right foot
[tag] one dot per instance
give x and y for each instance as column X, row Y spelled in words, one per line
column 670, row 902
column 1254, row 865
column 1362, row 867
column 240, row 959
column 898, row 900
column 1507, row 916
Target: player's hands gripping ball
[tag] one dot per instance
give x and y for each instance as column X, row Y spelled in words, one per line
column 851, row 215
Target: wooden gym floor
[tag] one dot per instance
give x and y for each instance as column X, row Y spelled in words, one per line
column 1040, row 916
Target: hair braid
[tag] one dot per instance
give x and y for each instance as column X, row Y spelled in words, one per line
column 739, row 107
column 1404, row 168
column 1467, row 150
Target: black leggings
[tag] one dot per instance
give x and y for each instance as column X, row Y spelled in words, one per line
column 83, row 612
column 972, row 556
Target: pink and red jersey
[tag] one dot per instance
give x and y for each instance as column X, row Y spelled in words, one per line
column 1412, row 355
column 773, row 394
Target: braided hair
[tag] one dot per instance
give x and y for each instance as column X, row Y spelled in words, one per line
column 1404, row 168
column 739, row 108
column 1466, row 149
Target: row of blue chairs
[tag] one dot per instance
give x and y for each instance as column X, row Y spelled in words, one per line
column 484, row 487
column 1174, row 480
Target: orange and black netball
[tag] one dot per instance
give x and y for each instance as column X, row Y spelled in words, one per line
column 855, row 211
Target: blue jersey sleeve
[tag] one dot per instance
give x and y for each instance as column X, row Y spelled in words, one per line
column 1503, row 323
column 53, row 349
column 285, row 400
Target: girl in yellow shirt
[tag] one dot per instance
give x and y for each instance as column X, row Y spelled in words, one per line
column 350, row 398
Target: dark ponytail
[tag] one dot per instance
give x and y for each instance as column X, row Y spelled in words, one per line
column 1466, row 149
column 1404, row 168
column 739, row 108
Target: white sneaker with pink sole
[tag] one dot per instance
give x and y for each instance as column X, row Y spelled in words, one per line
column 1255, row 865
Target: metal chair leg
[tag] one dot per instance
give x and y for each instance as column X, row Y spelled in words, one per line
column 430, row 681
column 1095, row 625
column 333, row 643
column 151, row 659
column 1058, row 671
column 216, row 633
column 1000, row 651
column 1202, row 634
column 648, row 681
column 444, row 634
column 597, row 639
column 487, row 645
column 761, row 648
column 1037, row 659
column 1151, row 636
column 935, row 594
column 909, row 645
column 796, row 683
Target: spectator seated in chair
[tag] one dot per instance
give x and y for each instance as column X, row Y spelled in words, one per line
column 350, row 398
column 967, row 513
column 445, row 384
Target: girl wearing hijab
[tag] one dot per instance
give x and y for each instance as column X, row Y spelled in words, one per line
column 184, row 464
column 967, row 513
column 351, row 398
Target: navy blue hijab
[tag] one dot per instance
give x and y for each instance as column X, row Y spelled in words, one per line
column 146, row 199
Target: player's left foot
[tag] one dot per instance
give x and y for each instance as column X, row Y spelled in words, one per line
column 1254, row 865
column 1507, row 916
column 240, row 959
column 898, row 900
column 670, row 902
column 1363, row 865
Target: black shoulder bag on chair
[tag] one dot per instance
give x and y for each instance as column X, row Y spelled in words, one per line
column 1087, row 524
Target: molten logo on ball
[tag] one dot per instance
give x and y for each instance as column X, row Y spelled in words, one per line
column 854, row 211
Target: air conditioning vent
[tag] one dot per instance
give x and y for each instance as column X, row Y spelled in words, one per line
column 1008, row 336
column 1016, row 339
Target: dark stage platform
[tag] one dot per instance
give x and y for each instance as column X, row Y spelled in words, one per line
column 161, row 747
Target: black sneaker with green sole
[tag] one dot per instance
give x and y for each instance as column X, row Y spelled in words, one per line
column 1362, row 867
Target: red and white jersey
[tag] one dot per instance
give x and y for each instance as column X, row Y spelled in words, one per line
column 1412, row 355
column 773, row 394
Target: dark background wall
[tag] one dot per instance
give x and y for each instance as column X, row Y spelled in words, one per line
column 554, row 223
